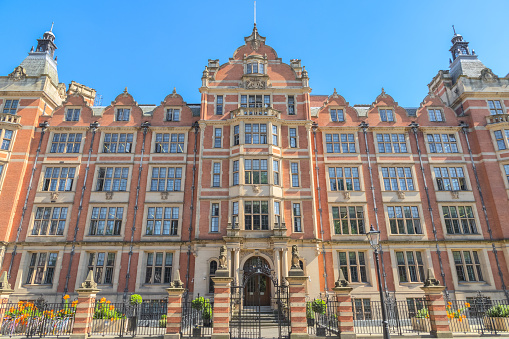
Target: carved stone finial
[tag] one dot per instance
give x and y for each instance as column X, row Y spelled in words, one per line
column 125, row 90
column 4, row 282
column 335, row 94
column 89, row 282
column 32, row 49
column 383, row 92
column 177, row 283
column 174, row 93
column 341, row 282
column 430, row 280
column 295, row 257
column 222, row 257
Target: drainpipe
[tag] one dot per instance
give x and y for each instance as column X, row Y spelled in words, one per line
column 315, row 127
column 93, row 126
column 364, row 127
column 145, row 127
column 43, row 125
column 464, row 128
column 415, row 128
column 196, row 127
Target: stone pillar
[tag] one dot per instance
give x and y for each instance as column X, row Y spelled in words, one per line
column 221, row 320
column 345, row 310
column 5, row 292
column 435, row 303
column 285, row 262
column 237, row 266
column 277, row 265
column 174, row 311
column 85, row 308
column 297, row 281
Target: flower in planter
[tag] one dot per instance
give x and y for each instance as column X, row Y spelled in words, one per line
column 456, row 314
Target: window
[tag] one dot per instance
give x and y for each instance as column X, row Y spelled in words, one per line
column 216, row 177
column 353, row 265
column 297, row 224
column 212, row 274
column 459, row 219
column 72, row 114
column 217, row 137
column 256, row 215
column 106, row 220
column 344, row 179
column 159, row 223
column 219, row 105
column 468, row 267
column 348, row 220
column 275, row 170
column 274, row 135
column 6, row 140
column 386, row 115
column 277, row 214
column 391, row 143
column 254, row 101
column 255, row 171
column 501, row 140
column 436, row 115
column 118, row 143
column 291, row 105
column 58, row 179
column 49, row 221
column 255, row 133
column 254, row 68
column 450, row 179
column 495, row 107
column 65, row 143
column 112, row 179
column 214, row 218
column 404, row 219
column 236, row 135
column 410, row 266
column 235, row 214
column 102, row 264
column 10, row 106
column 415, row 305
column 506, row 170
column 41, row 268
column 166, row 179
column 159, row 267
column 397, row 178
column 235, row 172
column 362, row 309
column 293, row 137
column 173, row 114
column 170, row 143
column 294, row 167
column 123, row 114
column 337, row 143
column 442, row 143
column 337, row 115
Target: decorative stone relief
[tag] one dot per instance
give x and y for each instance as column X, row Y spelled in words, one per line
column 256, row 189
column 401, row 194
column 346, row 195
column 164, row 195
column 109, row 195
column 19, row 73
column 255, row 84
column 455, row 194
column 53, row 196
column 488, row 76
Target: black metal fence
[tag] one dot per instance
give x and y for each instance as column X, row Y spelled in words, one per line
column 480, row 314
column 197, row 316
column 41, row 319
column 322, row 317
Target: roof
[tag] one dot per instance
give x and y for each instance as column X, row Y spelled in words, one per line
column 37, row 64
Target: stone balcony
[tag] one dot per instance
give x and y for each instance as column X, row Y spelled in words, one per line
column 493, row 119
column 10, row 118
column 254, row 112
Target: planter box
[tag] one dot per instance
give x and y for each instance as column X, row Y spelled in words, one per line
column 109, row 326
column 320, row 331
column 421, row 324
column 459, row 326
column 197, row 332
column 497, row 324
column 311, row 322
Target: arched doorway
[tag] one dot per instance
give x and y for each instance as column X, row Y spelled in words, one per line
column 257, row 282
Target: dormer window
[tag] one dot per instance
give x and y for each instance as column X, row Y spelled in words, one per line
column 386, row 115
column 254, row 67
column 123, row 114
column 72, row 114
column 173, row 114
column 436, row 115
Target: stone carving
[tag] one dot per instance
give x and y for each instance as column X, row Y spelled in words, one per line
column 174, row 93
column 164, row 195
column 61, row 91
column 455, row 194
column 222, row 257
column 109, row 195
column 488, row 76
column 346, row 195
column 177, row 283
column 431, row 281
column 53, row 196
column 89, row 282
column 295, row 257
column 4, row 282
column 19, row 73
column 255, row 44
column 255, row 84
column 256, row 189
column 341, row 282
column 401, row 194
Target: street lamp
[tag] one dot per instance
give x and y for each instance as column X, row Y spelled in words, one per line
column 374, row 241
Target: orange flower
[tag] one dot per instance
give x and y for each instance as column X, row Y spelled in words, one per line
column 464, row 316
column 112, row 307
column 74, row 303
column 107, row 302
column 460, row 319
column 102, row 300
column 467, row 304
column 66, row 297
column 449, row 303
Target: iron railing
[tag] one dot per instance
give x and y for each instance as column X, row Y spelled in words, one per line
column 322, row 317
column 196, row 322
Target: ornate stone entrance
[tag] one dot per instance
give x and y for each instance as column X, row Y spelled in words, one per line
column 257, row 282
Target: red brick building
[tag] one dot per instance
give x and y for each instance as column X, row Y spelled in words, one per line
column 137, row 192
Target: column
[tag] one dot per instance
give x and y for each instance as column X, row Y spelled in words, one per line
column 229, row 261
column 174, row 311
column 344, row 311
column 297, row 281
column 5, row 292
column 434, row 297
column 285, row 261
column 276, row 265
column 85, row 308
column 237, row 266
column 221, row 322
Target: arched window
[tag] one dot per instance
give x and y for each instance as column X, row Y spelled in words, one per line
column 212, row 273
column 254, row 67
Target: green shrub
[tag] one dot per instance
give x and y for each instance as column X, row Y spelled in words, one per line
column 309, row 311
column 136, row 299
column 422, row 313
column 319, row 306
column 499, row 311
column 162, row 321
column 198, row 303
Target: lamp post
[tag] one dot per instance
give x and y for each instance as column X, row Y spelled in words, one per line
column 374, row 241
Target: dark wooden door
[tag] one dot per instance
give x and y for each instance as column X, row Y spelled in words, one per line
column 257, row 291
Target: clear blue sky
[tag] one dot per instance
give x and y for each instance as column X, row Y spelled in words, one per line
column 356, row 46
